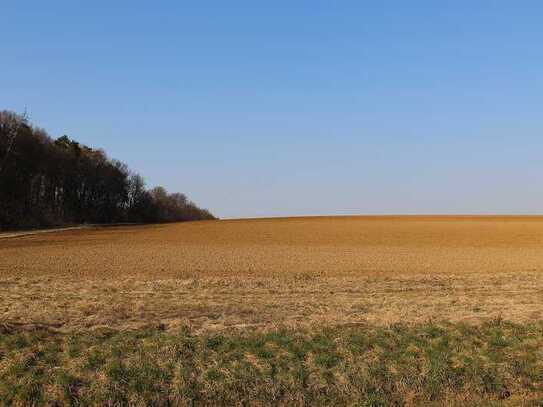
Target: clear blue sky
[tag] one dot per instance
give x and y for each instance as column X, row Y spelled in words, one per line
column 294, row 107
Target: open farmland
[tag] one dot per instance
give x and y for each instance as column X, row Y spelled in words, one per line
column 266, row 273
column 294, row 311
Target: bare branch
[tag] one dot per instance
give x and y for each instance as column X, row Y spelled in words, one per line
column 12, row 135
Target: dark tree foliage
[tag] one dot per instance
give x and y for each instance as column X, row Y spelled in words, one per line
column 46, row 182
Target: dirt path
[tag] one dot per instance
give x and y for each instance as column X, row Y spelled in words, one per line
column 10, row 235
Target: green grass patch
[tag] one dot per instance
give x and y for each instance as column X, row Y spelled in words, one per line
column 494, row 363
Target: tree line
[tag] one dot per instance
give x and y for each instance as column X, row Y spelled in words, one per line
column 46, row 182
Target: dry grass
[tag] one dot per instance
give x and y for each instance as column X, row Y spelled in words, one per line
column 309, row 311
column 492, row 364
column 263, row 273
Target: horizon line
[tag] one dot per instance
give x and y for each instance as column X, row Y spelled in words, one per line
column 393, row 215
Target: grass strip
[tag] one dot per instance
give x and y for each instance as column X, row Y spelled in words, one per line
column 494, row 363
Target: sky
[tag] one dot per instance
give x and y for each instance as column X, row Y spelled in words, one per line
column 294, row 107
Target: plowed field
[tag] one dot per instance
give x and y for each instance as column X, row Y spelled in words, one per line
column 264, row 273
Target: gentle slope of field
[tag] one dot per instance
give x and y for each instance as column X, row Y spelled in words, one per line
column 294, row 311
column 274, row 272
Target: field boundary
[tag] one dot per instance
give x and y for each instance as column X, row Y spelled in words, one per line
column 22, row 233
column 429, row 364
column 12, row 235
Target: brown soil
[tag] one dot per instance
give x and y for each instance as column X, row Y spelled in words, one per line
column 269, row 272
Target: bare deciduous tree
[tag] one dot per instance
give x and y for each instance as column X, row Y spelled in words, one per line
column 10, row 123
column 45, row 182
